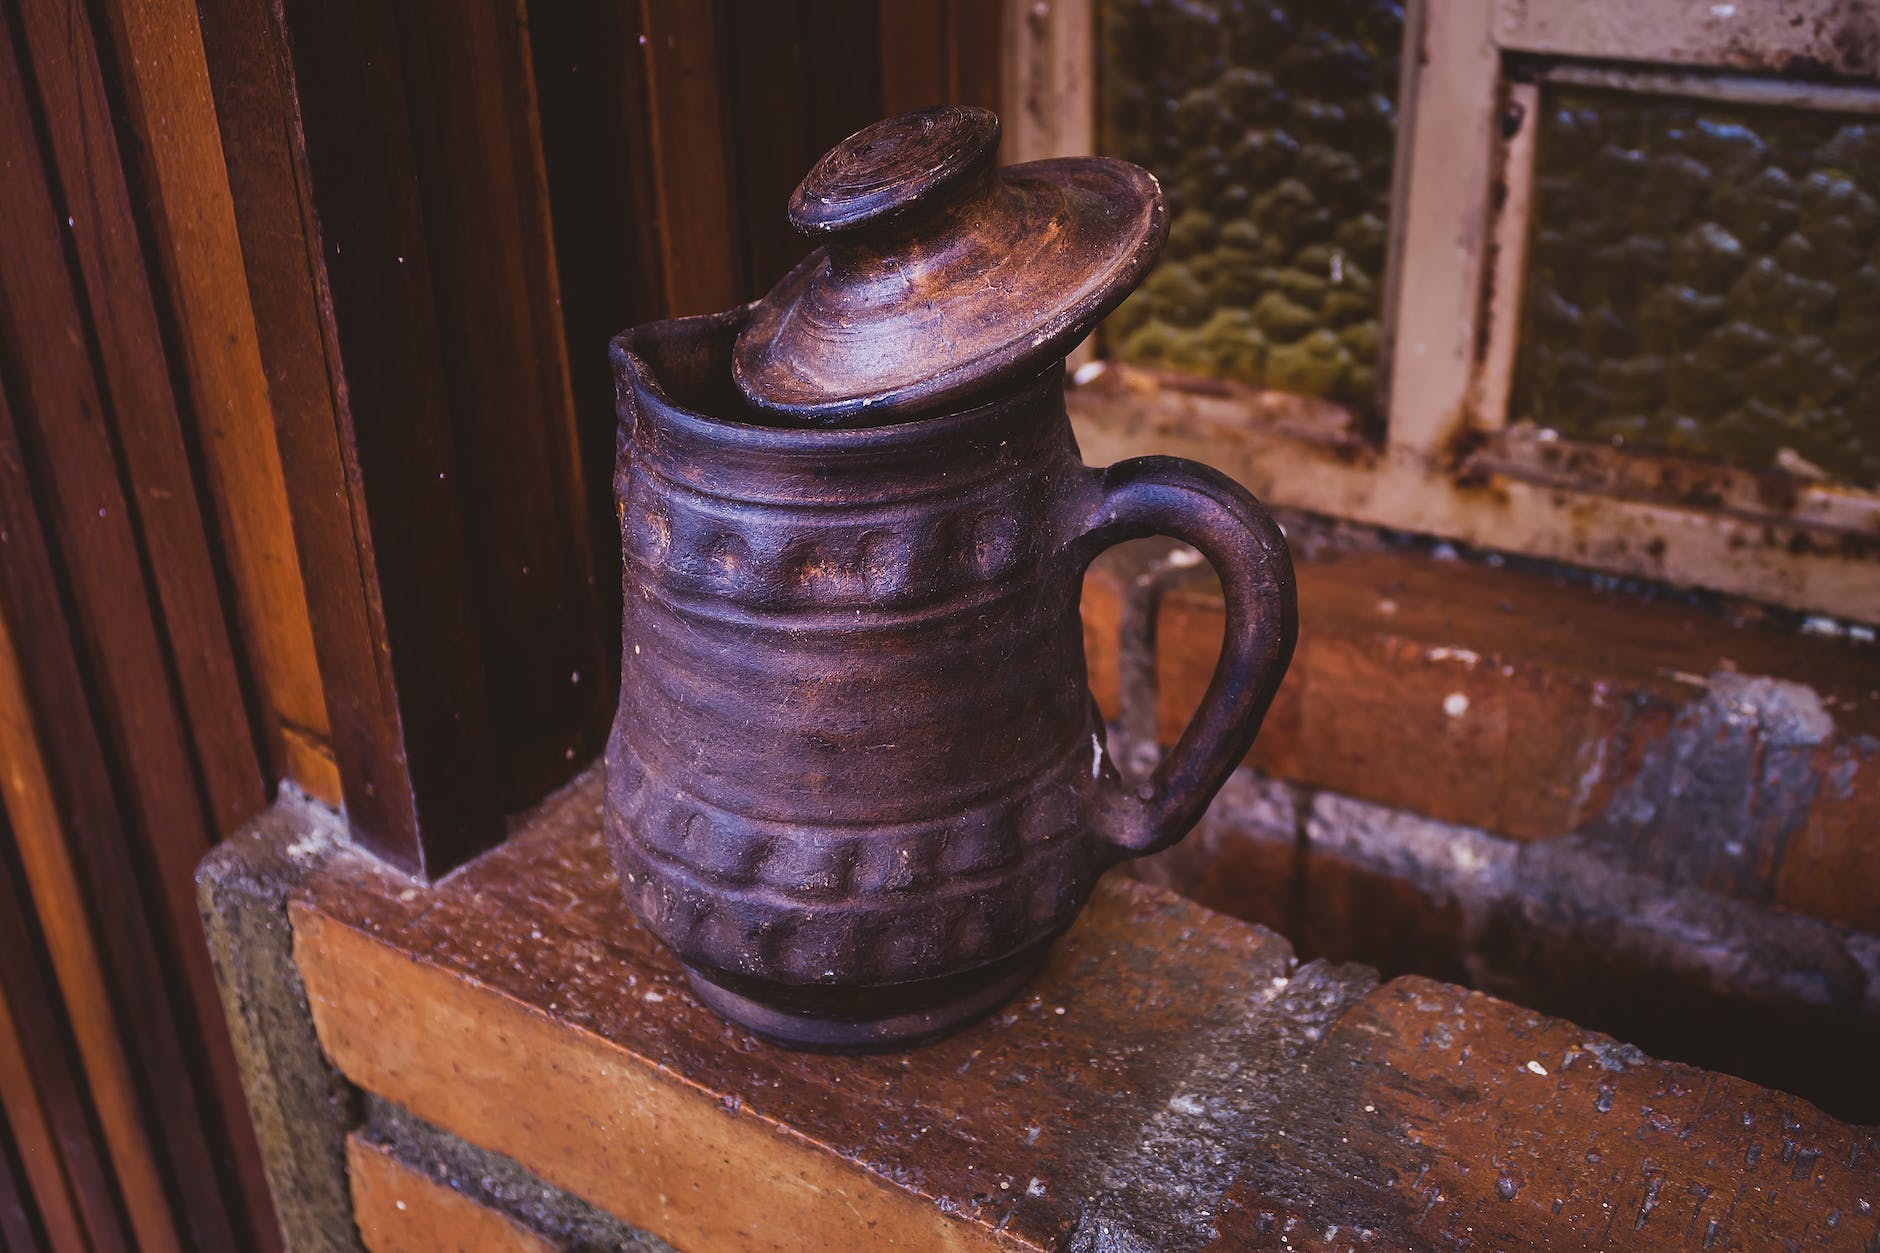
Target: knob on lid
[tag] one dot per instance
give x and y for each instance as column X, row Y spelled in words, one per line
column 941, row 277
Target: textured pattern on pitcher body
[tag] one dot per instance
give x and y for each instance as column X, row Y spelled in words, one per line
column 869, row 726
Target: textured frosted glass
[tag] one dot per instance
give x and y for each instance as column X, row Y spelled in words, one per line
column 1705, row 278
column 1271, row 127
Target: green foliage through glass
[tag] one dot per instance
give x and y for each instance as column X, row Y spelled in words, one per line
column 1271, row 127
column 1705, row 278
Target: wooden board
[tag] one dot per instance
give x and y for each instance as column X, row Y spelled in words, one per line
column 203, row 289
column 399, row 1209
column 1534, row 706
column 1172, row 1078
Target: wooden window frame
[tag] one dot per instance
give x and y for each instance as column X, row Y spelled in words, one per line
column 1447, row 462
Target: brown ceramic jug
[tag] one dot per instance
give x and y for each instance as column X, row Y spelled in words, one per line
column 857, row 782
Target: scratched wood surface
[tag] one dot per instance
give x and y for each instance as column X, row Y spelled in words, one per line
column 1174, row 1079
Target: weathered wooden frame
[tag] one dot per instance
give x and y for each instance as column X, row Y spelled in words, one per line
column 1449, row 463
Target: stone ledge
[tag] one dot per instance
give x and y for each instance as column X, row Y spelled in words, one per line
column 1174, row 1080
column 300, row 1107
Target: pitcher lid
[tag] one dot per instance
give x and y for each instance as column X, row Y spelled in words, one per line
column 941, row 276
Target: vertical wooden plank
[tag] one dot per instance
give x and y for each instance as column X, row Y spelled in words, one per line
column 1446, row 151
column 41, row 1175
column 43, row 1095
column 940, row 52
column 160, row 513
column 52, row 876
column 412, row 726
column 164, row 83
column 802, row 77
column 694, row 183
column 145, row 447
column 70, row 468
column 258, row 116
column 1508, row 260
column 1048, row 90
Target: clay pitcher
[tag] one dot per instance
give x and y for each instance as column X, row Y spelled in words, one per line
column 857, row 782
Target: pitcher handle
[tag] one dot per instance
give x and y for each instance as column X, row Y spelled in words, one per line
column 1200, row 506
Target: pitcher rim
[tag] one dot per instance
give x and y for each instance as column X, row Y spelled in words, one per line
column 645, row 382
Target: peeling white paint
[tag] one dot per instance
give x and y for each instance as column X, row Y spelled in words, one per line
column 1788, row 714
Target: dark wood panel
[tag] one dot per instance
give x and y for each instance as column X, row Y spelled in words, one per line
column 466, row 663
column 799, row 78
column 35, row 1208
column 770, row 108
column 939, row 52
column 412, row 732
column 590, row 74
column 973, row 52
column 89, row 897
column 695, row 184
column 844, row 71
column 914, row 51
column 61, row 1153
column 35, row 1205
column 486, row 222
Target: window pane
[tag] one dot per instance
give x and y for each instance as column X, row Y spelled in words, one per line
column 1703, row 278
column 1271, row 127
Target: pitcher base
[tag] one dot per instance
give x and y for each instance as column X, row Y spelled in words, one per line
column 802, row 1029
